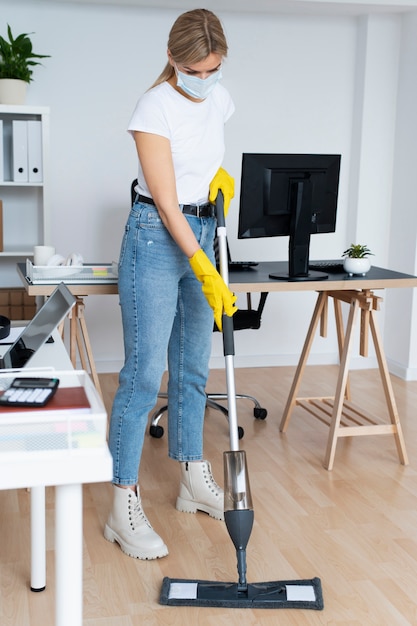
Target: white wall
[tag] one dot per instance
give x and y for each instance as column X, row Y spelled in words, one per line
column 300, row 84
column 401, row 343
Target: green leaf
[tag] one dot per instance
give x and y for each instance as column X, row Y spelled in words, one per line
column 16, row 56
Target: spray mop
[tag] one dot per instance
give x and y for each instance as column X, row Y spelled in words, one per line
column 238, row 512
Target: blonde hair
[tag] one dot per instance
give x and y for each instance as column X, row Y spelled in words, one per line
column 193, row 36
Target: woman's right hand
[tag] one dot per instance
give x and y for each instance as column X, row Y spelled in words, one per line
column 218, row 295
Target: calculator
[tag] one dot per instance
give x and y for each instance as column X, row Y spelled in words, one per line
column 29, row 392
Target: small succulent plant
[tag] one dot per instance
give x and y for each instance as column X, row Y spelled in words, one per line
column 357, row 251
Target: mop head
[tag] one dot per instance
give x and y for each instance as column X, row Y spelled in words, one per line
column 281, row 594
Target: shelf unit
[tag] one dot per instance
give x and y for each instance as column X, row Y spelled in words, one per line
column 25, row 211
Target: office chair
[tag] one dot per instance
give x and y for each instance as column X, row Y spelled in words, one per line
column 243, row 319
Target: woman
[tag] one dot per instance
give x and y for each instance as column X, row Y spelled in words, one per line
column 166, row 253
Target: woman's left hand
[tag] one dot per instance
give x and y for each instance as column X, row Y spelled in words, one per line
column 217, row 293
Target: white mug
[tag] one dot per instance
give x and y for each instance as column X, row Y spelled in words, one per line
column 42, row 254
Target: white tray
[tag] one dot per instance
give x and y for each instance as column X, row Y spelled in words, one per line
column 87, row 273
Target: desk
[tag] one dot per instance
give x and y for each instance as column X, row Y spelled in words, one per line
column 79, row 338
column 257, row 279
column 67, row 470
column 343, row 417
column 357, row 291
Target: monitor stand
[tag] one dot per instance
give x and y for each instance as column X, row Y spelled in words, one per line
column 310, row 276
column 299, row 242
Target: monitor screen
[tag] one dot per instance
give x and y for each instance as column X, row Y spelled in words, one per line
column 291, row 195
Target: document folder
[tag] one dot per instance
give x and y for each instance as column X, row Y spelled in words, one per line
column 20, row 151
column 34, row 139
column 1, row 152
column 1, row 226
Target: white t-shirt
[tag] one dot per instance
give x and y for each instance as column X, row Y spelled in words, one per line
column 196, row 133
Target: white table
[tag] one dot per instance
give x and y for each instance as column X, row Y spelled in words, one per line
column 79, row 340
column 67, row 470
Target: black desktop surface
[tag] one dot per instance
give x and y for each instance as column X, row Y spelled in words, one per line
column 260, row 274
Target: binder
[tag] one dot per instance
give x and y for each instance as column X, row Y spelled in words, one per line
column 20, row 151
column 1, row 152
column 1, row 226
column 34, row 134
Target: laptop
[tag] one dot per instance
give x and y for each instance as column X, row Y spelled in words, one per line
column 232, row 265
column 39, row 329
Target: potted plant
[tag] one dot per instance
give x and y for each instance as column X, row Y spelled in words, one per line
column 356, row 259
column 16, row 62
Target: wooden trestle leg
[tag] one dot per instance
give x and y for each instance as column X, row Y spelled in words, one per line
column 342, row 416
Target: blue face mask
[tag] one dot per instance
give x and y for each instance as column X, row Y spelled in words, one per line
column 197, row 87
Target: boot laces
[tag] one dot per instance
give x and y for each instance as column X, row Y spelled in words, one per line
column 210, row 482
column 137, row 515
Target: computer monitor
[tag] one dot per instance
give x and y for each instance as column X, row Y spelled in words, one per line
column 291, row 195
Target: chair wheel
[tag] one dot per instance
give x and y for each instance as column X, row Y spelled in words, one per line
column 260, row 413
column 240, row 432
column 156, row 431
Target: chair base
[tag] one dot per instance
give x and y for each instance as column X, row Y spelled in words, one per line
column 157, row 431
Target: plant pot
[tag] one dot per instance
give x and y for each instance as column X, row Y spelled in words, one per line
column 356, row 266
column 12, row 91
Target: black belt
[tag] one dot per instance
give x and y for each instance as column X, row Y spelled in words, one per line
column 198, row 210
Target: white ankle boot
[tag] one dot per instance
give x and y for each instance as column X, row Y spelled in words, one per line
column 199, row 491
column 129, row 527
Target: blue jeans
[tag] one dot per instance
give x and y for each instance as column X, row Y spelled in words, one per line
column 165, row 316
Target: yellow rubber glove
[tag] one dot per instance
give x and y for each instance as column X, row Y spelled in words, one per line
column 218, row 295
column 223, row 181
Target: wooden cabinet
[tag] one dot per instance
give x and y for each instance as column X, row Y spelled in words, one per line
column 24, row 211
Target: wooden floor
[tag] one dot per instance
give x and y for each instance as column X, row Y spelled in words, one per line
column 354, row 527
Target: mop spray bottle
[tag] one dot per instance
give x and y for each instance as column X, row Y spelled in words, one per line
column 238, row 509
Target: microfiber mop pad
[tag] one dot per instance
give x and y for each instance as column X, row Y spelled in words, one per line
column 281, row 594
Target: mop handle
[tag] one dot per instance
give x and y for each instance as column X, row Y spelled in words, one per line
column 227, row 322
